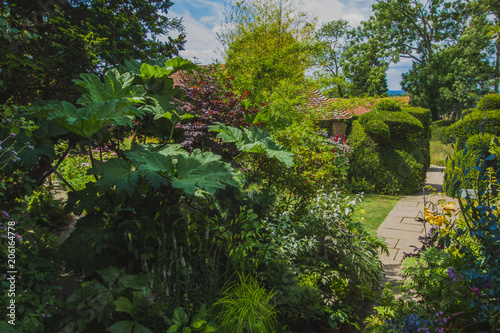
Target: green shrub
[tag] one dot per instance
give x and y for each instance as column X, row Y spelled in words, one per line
column 467, row 112
column 473, row 123
column 424, row 115
column 489, row 102
column 397, row 167
column 388, row 105
column 378, row 131
column 442, row 123
column 403, row 126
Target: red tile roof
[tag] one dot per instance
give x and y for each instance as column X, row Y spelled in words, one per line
column 317, row 101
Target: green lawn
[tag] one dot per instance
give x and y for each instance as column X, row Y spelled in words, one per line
column 377, row 207
column 439, row 152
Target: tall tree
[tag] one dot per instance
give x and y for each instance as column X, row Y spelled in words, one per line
column 266, row 49
column 458, row 74
column 365, row 63
column 418, row 30
column 332, row 41
column 46, row 44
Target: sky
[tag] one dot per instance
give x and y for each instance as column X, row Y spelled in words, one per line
column 202, row 19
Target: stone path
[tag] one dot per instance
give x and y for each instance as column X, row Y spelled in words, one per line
column 401, row 230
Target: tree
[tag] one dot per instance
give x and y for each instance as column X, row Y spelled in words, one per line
column 332, row 42
column 458, row 74
column 266, row 49
column 418, row 30
column 365, row 64
column 46, row 44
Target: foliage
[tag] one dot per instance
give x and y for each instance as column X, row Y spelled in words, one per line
column 47, row 44
column 35, row 288
column 253, row 140
column 209, row 102
column 489, row 102
column 245, row 306
column 474, row 123
column 266, row 50
column 378, row 131
column 365, row 64
column 180, row 321
column 329, row 246
column 298, row 301
column 453, row 281
column 332, row 41
column 388, row 105
column 434, row 34
column 322, row 161
column 460, row 167
column 395, row 166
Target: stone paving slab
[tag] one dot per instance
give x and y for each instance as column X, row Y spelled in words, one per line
column 401, row 230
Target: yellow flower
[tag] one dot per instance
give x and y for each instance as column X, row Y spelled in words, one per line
column 449, row 206
column 363, row 211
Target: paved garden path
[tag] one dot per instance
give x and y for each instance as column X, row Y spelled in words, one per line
column 401, row 230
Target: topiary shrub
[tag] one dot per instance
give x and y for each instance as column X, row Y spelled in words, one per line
column 424, row 115
column 395, row 166
column 489, row 102
column 388, row 105
column 391, row 170
column 486, row 121
column 403, row 126
column 378, row 131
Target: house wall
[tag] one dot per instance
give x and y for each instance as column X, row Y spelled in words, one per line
column 337, row 128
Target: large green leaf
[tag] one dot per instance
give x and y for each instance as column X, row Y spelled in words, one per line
column 151, row 160
column 116, row 173
column 127, row 326
column 253, row 140
column 88, row 120
column 115, row 86
column 180, row 64
column 202, row 170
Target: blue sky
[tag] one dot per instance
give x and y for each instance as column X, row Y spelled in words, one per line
column 202, row 20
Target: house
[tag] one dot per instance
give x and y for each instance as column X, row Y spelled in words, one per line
column 326, row 112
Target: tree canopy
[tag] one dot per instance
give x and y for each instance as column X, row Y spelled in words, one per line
column 266, row 48
column 46, row 44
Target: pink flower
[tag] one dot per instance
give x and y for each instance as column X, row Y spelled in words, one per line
column 5, row 214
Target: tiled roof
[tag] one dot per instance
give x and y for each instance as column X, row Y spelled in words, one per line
column 366, row 107
column 318, row 101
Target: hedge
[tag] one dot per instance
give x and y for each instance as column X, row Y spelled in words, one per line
column 394, row 166
column 489, row 102
column 475, row 122
column 403, row 126
column 378, row 131
column 388, row 105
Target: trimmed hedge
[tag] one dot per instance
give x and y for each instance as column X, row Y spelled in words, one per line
column 487, row 121
column 388, row 105
column 403, row 126
column 391, row 170
column 424, row 115
column 489, row 102
column 395, row 166
column 378, row 131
